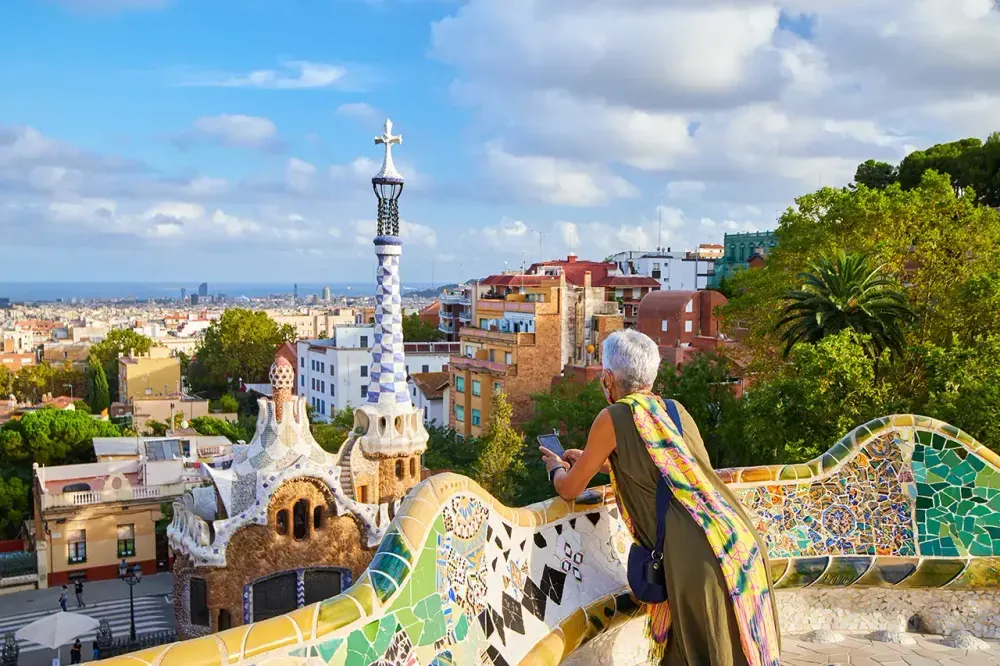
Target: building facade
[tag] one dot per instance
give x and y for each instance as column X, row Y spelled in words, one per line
column 155, row 375
column 739, row 250
column 673, row 271
column 455, row 311
column 526, row 330
column 334, row 373
column 429, row 393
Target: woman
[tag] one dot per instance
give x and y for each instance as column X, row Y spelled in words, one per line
column 720, row 609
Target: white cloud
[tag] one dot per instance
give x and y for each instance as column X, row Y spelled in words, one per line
column 233, row 130
column 410, row 232
column 361, row 111
column 293, row 75
column 300, row 175
column 554, row 181
column 685, row 189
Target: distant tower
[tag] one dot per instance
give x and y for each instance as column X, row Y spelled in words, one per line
column 295, row 293
column 184, row 293
column 203, row 289
column 392, row 430
column 326, row 294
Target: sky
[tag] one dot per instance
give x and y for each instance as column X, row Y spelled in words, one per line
column 232, row 140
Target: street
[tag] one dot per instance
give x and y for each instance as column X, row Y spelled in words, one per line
column 106, row 600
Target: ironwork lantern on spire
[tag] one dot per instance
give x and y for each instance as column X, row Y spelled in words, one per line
column 388, row 185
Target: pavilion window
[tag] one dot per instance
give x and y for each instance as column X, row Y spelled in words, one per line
column 300, row 512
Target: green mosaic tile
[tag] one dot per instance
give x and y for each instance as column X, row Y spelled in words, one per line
column 431, row 612
column 384, row 585
column 934, row 573
column 462, row 627
column 844, row 571
column 803, row 572
column 387, row 628
column 302, row 653
column 328, row 648
column 393, row 543
column 359, row 647
column 887, row 572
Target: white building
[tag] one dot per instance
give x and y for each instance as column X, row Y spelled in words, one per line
column 429, row 394
column 677, row 271
column 334, row 373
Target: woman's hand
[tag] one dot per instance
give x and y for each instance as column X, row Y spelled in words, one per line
column 551, row 460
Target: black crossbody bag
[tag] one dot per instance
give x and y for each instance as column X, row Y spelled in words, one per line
column 646, row 576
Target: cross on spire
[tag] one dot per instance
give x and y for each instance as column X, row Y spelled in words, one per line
column 387, row 139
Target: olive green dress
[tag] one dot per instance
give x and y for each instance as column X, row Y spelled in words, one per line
column 704, row 629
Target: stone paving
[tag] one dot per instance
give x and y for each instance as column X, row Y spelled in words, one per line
column 858, row 650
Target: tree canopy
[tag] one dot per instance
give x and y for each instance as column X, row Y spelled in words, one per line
column 239, row 345
column 500, row 465
column 98, row 391
column 416, row 329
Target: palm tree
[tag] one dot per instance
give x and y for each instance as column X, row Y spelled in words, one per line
column 845, row 293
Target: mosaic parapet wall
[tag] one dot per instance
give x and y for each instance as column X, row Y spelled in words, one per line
column 901, row 502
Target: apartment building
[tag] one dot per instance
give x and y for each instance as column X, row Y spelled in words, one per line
column 315, row 324
column 455, row 310
column 673, row 271
column 14, row 361
column 155, row 375
column 429, row 395
column 334, row 373
column 526, row 330
column 89, row 517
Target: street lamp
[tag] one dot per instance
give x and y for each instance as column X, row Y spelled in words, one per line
column 131, row 575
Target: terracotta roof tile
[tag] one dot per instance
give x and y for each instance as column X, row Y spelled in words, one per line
column 431, row 384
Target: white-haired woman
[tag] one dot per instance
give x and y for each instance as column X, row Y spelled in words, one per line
column 720, row 609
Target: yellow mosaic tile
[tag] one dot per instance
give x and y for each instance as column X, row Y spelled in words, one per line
column 446, row 485
column 267, row 635
column 759, row 474
column 336, row 613
column 574, row 628
column 902, row 420
column 422, row 505
column 303, row 618
column 195, row 652
column 364, row 593
column 412, row 530
column 555, row 510
column 233, row 640
column 547, row 652
column 989, row 456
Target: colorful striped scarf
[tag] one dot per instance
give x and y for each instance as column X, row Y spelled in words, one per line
column 743, row 566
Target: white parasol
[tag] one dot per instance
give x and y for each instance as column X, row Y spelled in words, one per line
column 58, row 629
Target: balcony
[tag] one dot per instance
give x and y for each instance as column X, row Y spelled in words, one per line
column 498, row 305
column 497, row 336
column 482, row 365
column 454, row 299
column 132, row 494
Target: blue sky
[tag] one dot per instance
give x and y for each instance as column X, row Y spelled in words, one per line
column 232, row 139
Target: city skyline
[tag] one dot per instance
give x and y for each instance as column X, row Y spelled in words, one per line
column 234, row 145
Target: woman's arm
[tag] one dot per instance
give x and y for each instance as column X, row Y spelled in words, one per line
column 600, row 444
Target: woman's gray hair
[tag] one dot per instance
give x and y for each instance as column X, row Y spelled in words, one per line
column 633, row 358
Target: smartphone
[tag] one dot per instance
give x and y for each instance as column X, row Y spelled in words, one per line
column 552, row 443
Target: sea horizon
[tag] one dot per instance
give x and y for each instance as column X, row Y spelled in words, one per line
column 37, row 291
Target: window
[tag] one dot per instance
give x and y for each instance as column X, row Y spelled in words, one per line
column 508, row 358
column 425, row 368
column 332, row 373
column 688, row 326
column 317, row 518
column 460, row 384
column 281, row 522
column 302, row 380
column 664, row 325
column 225, row 620
column 302, row 363
column 690, row 306
column 364, row 391
column 322, row 367
column 199, row 602
column 126, row 540
column 364, row 371
column 321, row 584
column 364, row 340
column 77, row 543
column 468, row 351
column 656, row 265
column 300, row 511
column 363, row 494
column 332, row 393
column 413, row 466
column 475, row 417
column 492, row 355
column 459, row 413
column 275, row 595
column 636, row 293
column 484, row 324
column 399, row 469
column 413, row 391
column 475, row 387
column 497, row 387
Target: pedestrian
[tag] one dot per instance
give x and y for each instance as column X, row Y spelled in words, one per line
column 63, row 597
column 97, row 651
column 79, row 595
column 74, row 652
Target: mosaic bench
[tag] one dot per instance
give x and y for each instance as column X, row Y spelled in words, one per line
column 903, row 505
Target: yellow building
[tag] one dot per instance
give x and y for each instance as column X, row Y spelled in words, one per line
column 156, row 375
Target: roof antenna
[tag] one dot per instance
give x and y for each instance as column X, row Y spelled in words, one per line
column 659, row 230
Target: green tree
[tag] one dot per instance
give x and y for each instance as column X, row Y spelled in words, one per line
column 98, row 391
column 240, row 345
column 229, row 404
column 15, row 500
column 34, row 381
column 447, row 451
column 329, row 436
column 845, row 293
column 876, row 175
column 703, row 386
column 53, row 437
column 234, row 432
column 416, row 329
column 825, row 391
column 950, row 159
column 156, row 428
column 500, row 463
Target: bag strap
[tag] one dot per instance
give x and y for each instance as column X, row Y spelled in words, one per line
column 663, row 493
